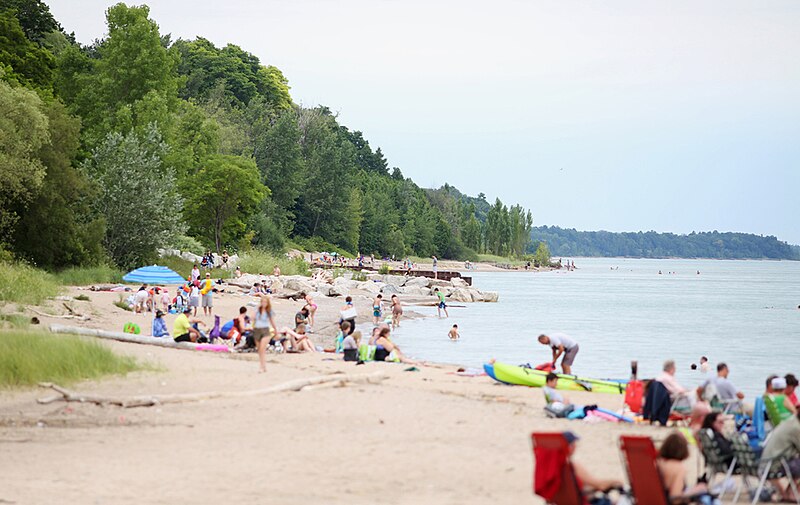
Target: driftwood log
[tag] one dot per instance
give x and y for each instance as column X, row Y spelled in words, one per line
column 123, row 337
column 332, row 380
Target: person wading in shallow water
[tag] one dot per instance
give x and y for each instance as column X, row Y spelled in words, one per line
column 561, row 344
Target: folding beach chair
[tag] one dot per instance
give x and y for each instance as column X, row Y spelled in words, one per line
column 759, row 468
column 711, row 395
column 553, row 476
column 716, row 462
column 647, row 486
column 658, row 406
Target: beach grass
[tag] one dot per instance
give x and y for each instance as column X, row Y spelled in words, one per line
column 17, row 321
column 22, row 283
column 184, row 267
column 27, row 358
column 121, row 303
column 85, row 276
column 260, row 261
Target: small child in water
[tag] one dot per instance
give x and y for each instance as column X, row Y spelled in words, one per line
column 453, row 333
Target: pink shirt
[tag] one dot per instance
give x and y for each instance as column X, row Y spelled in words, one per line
column 669, row 382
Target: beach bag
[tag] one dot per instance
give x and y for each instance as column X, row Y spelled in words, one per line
column 132, row 328
column 348, row 314
column 558, row 410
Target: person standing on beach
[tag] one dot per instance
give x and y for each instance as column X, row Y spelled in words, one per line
column 195, row 273
column 263, row 326
column 397, row 311
column 442, row 305
column 435, row 267
column 208, row 295
column 561, row 344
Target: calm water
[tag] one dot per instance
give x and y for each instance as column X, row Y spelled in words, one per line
column 741, row 312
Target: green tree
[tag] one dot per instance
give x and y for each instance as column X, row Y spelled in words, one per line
column 23, row 61
column 542, row 255
column 222, row 197
column 34, row 17
column 59, row 228
column 24, row 129
column 138, row 195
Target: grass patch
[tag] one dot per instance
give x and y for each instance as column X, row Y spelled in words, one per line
column 85, row 276
column 83, row 298
column 27, row 358
column 184, row 267
column 21, row 283
column 491, row 258
column 259, row 261
column 19, row 321
column 121, row 303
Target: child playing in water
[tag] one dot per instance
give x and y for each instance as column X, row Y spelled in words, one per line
column 377, row 311
column 397, row 312
column 453, row 333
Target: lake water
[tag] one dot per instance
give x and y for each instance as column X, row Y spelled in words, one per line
column 744, row 313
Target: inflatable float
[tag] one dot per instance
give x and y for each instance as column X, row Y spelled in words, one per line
column 522, row 376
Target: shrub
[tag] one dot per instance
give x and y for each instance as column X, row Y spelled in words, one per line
column 27, row 358
column 261, row 261
column 21, row 283
column 84, row 276
column 121, row 303
column 187, row 244
column 384, row 269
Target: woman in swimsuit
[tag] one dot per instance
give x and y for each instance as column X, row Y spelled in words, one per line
column 312, row 309
column 263, row 325
column 377, row 312
column 385, row 348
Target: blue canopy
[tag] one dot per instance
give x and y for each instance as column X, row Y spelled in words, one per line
column 154, row 275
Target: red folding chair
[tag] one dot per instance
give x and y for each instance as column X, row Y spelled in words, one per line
column 554, row 478
column 647, row 487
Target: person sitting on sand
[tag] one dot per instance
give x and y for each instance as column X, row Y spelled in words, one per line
column 386, row 350
column 674, row 451
column 276, row 271
column 551, row 394
column 561, row 344
column 301, row 317
column 397, row 312
column 350, row 346
column 785, row 440
column 182, row 327
column 453, row 333
column 582, row 474
column 159, row 325
column 299, row 339
column 263, row 330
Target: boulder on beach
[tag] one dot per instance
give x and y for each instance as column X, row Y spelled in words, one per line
column 439, row 283
column 458, row 282
column 297, row 283
column 389, row 290
column 394, row 280
column 490, row 296
column 423, row 282
column 416, row 291
column 461, row 295
column 338, row 290
column 372, row 287
column 277, row 284
column 324, row 289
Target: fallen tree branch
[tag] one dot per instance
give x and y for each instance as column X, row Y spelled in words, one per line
column 337, row 380
column 128, row 337
column 66, row 316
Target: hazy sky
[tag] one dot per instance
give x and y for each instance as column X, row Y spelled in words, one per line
column 624, row 116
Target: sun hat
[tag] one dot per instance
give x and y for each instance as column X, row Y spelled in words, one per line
column 778, row 383
column 571, row 437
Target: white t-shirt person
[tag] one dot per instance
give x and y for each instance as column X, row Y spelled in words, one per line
column 557, row 339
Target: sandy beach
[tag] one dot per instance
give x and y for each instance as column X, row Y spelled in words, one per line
column 427, row 436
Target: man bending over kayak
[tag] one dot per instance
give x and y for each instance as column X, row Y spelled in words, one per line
column 561, row 344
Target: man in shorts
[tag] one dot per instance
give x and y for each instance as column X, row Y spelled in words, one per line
column 561, row 344
column 442, row 305
column 182, row 327
column 207, row 295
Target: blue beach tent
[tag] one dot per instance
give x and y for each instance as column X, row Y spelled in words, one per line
column 154, row 275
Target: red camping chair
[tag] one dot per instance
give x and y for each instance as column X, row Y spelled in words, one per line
column 643, row 475
column 554, row 478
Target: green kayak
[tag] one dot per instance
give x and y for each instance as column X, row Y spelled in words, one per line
column 522, row 376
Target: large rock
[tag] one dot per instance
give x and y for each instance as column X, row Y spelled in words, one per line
column 394, row 280
column 277, row 284
column 372, row 287
column 439, row 283
column 422, row 282
column 476, row 295
column 375, row 277
column 191, row 257
column 296, row 283
column 458, row 282
column 416, row 291
column 390, row 289
column 325, row 289
column 346, row 284
column 338, row 290
column 490, row 296
column 461, row 295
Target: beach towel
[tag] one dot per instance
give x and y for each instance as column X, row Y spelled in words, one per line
column 657, row 403
column 548, row 472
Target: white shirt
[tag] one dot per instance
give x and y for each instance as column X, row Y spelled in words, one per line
column 557, row 339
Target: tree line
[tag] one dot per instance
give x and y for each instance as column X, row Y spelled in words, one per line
column 716, row 245
column 113, row 149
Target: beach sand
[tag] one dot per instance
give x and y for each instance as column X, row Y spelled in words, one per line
column 426, row 436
